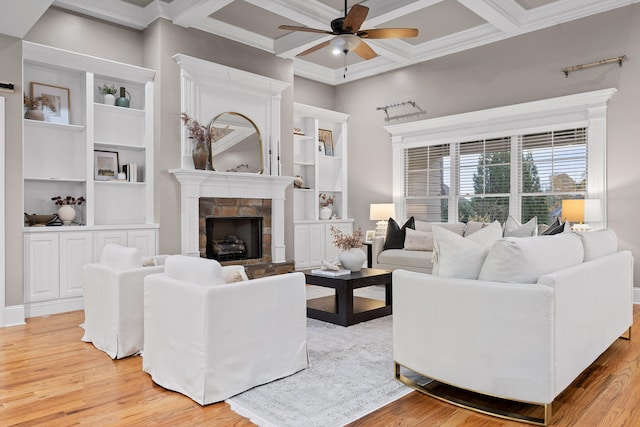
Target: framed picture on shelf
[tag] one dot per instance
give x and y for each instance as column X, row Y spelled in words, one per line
column 369, row 236
column 105, row 165
column 59, row 97
column 326, row 137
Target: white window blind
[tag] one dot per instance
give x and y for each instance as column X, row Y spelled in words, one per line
column 426, row 182
column 554, row 167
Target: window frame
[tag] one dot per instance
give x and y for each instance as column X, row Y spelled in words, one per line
column 586, row 110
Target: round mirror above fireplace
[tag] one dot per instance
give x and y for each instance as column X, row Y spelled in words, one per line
column 236, row 145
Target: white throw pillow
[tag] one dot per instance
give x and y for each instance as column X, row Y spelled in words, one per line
column 120, row 257
column 513, row 228
column 418, row 240
column 518, row 260
column 462, row 257
column 195, row 270
column 473, row 226
column 456, row 227
column 234, row 273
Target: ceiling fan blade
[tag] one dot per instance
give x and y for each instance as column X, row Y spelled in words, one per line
column 314, row 48
column 305, row 29
column 388, row 33
column 355, row 18
column 364, row 51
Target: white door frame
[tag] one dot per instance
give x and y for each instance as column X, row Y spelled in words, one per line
column 2, row 214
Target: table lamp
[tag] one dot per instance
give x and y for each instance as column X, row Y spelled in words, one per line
column 579, row 211
column 381, row 212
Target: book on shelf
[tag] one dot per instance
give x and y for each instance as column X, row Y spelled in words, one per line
column 330, row 273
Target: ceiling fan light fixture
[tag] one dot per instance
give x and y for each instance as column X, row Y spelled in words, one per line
column 344, row 43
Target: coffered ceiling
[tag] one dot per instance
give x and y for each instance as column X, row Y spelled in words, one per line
column 445, row 26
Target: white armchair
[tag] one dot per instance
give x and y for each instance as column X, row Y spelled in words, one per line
column 210, row 340
column 114, row 300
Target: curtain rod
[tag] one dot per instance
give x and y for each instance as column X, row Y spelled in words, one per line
column 618, row 59
column 398, row 104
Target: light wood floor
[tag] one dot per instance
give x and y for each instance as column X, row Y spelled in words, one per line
column 49, row 377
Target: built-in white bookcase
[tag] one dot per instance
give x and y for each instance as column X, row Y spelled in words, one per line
column 58, row 160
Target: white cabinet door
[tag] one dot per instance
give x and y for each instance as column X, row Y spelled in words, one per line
column 331, row 249
column 316, row 245
column 76, row 250
column 41, row 268
column 301, row 246
column 103, row 238
column 144, row 240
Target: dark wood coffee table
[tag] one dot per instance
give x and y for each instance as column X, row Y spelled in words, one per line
column 344, row 308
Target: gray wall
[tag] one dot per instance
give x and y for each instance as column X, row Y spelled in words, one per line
column 520, row 69
column 314, row 93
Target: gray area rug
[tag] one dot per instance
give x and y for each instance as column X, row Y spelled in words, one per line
column 350, row 374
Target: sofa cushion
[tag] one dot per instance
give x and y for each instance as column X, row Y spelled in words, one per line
column 401, row 258
column 513, row 228
column 418, row 240
column 195, row 270
column 599, row 243
column 462, row 257
column 524, row 260
column 395, row 233
column 120, row 257
column 456, row 227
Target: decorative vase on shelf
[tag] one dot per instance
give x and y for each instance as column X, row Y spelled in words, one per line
column 352, row 259
column 298, row 181
column 200, row 155
column 109, row 99
column 34, row 114
column 325, row 212
column 123, row 101
column 67, row 214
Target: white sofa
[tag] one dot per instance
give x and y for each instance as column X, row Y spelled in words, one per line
column 114, row 299
column 543, row 309
column 209, row 340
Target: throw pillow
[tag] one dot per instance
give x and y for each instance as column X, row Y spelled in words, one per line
column 555, row 228
column 517, row 260
column 513, row 228
column 598, row 243
column 395, row 233
column 473, row 226
column 234, row 273
column 120, row 257
column 456, row 227
column 418, row 240
column 462, row 257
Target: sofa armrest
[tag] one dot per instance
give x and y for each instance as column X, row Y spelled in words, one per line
column 377, row 246
column 494, row 338
column 593, row 307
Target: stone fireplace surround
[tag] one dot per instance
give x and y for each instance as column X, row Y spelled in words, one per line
column 196, row 184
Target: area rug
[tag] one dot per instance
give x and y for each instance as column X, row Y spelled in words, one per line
column 350, row 374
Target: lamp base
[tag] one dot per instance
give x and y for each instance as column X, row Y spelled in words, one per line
column 381, row 228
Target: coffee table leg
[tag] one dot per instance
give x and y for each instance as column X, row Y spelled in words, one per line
column 344, row 305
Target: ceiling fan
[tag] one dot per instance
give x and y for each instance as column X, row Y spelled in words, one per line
column 349, row 36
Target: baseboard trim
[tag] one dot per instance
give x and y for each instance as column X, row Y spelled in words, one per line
column 45, row 308
column 14, row 315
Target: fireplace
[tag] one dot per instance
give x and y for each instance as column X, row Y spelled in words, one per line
column 234, row 238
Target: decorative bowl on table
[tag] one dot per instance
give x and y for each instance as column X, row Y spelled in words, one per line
column 39, row 220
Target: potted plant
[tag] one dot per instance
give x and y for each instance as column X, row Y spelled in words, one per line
column 326, row 205
column 109, row 92
column 66, row 211
column 201, row 142
column 351, row 257
column 35, row 105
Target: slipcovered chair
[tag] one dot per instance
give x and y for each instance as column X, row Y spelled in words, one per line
column 114, row 299
column 211, row 340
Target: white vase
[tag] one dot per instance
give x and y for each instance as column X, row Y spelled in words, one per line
column 325, row 212
column 109, row 99
column 67, row 214
column 352, row 259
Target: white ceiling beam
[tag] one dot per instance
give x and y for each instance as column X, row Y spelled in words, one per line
column 506, row 15
column 116, row 11
column 188, row 12
column 234, row 33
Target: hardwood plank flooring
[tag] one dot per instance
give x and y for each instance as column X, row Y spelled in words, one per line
column 49, row 377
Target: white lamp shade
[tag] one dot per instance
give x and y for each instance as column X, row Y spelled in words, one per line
column 592, row 210
column 381, row 211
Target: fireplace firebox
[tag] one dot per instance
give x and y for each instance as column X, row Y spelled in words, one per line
column 233, row 238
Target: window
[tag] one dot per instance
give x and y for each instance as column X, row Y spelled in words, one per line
column 519, row 160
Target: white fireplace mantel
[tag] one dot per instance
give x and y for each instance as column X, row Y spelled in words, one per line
column 198, row 183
